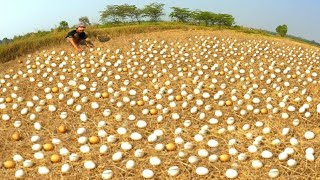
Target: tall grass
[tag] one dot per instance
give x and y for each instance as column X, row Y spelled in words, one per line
column 36, row 41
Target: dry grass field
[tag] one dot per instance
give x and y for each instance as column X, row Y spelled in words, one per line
column 176, row 104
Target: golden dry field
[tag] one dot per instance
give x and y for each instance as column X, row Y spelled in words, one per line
column 177, row 104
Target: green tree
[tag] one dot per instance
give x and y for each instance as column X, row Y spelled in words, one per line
column 154, row 11
column 223, row 20
column 282, row 30
column 132, row 12
column 84, row 20
column 63, row 25
column 137, row 14
column 110, row 13
column 205, row 17
column 180, row 14
column 120, row 13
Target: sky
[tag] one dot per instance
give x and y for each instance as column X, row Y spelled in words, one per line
column 18, row 17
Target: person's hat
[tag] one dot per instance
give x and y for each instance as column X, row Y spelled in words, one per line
column 81, row 25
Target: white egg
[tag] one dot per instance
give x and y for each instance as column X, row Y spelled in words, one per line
column 193, row 159
column 126, row 146
column 65, row 168
column 292, row 163
column 276, row 142
column 64, row 151
column 103, row 149
column 155, row 161
column 310, row 157
column 252, row 149
column 178, row 140
column 24, row 111
column 173, row 171
column 218, row 113
column 131, row 117
column 158, row 132
column 231, row 174
column 285, row 131
column 38, row 155
column 309, row 135
column 132, row 92
column 74, row 157
column 43, row 170
column 136, row 136
column 147, row 173
column 56, row 141
column 17, row 124
column 139, row 153
column 294, row 141
column 203, row 153
column 89, row 165
column 273, row 173
column 233, row 151
column 213, row 158
column 83, row 117
column 256, row 164
column 289, row 150
column 242, row 157
column 309, row 151
column 141, row 124
column 246, row 127
column 202, row 171
column 152, row 138
column 85, row 149
column 159, row 147
column 266, row 130
column 107, row 174
column 283, row 156
column 19, row 173
column 27, row 163
column 82, row 87
column 296, row 122
column 117, row 156
column 266, row 154
column 102, row 133
column 52, row 108
column 112, row 139
column 63, row 115
column 82, row 140
column 122, row 130
column 206, row 95
column 18, row 158
column 175, row 116
column 94, row 105
column 5, row 117
column 198, row 137
column 130, row 164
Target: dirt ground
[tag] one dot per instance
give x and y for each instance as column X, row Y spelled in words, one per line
column 190, row 52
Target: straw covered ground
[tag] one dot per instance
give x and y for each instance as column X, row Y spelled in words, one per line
column 178, row 104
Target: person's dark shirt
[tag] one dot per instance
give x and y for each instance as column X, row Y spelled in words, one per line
column 73, row 34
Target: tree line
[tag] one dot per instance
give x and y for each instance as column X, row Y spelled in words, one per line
column 154, row 11
column 125, row 13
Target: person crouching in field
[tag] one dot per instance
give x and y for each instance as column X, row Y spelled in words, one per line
column 79, row 37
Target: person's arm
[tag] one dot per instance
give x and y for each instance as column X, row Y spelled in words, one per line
column 87, row 40
column 75, row 45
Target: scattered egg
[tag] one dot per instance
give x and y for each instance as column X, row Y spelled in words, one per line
column 107, row 174
column 147, row 173
column 231, row 174
column 202, row 171
column 43, row 170
column 89, row 165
